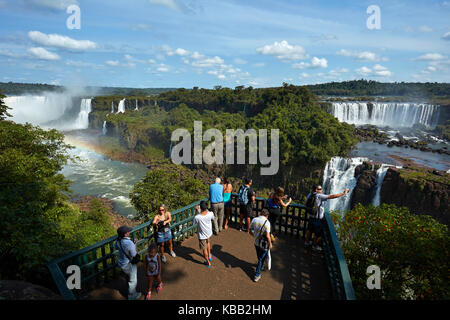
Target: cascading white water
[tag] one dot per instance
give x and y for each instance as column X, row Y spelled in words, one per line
column 121, row 107
column 50, row 111
column 386, row 114
column 339, row 175
column 112, row 107
column 82, row 121
column 38, row 110
column 381, row 173
column 137, row 107
column 104, row 130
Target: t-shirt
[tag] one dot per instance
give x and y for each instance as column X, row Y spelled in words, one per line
column 257, row 227
column 204, row 225
column 216, row 193
column 320, row 199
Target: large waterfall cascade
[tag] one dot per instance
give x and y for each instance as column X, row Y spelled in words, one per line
column 121, row 107
column 339, row 175
column 82, row 121
column 387, row 114
column 54, row 110
column 381, row 173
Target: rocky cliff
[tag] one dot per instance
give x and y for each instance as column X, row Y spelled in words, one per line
column 422, row 190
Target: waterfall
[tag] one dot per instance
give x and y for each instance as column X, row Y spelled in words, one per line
column 104, row 130
column 82, row 121
column 387, row 114
column 170, row 149
column 121, row 107
column 112, row 107
column 339, row 175
column 137, row 107
column 381, row 173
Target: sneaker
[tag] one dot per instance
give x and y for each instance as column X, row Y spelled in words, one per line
column 163, row 259
column 160, row 287
column 135, row 297
column 308, row 243
column 256, row 279
column 172, row 253
column 148, row 296
column 317, row 248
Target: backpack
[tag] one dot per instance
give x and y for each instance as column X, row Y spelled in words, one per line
column 311, row 206
column 243, row 194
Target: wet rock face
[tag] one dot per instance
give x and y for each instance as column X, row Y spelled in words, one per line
column 365, row 188
column 18, row 290
column 422, row 195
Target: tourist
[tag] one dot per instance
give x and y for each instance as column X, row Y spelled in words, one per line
column 161, row 224
column 260, row 229
column 246, row 199
column 152, row 263
column 274, row 202
column 204, row 230
column 227, row 191
column 314, row 204
column 217, row 205
column 127, row 253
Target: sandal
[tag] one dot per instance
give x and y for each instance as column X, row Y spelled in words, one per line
column 159, row 287
column 148, row 296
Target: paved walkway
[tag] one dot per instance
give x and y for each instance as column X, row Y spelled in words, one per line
column 297, row 273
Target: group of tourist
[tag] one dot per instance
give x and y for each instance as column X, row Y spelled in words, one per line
column 214, row 219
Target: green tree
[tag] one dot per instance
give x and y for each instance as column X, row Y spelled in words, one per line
column 412, row 252
column 174, row 187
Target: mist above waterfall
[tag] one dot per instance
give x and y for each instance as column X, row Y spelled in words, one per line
column 68, row 110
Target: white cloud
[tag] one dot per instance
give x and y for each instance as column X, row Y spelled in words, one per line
column 446, row 36
column 43, row 54
column 162, row 69
column 259, row 64
column 52, row 4
column 206, row 62
column 113, row 63
column 140, row 27
column 315, row 63
column 59, row 41
column 362, row 56
column 240, row 61
column 431, row 57
column 284, row 51
column 167, row 3
column 376, row 71
column 425, row 29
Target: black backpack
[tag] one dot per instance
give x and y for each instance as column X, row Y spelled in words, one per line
column 311, row 208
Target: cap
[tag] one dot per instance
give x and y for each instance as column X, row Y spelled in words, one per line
column 122, row 230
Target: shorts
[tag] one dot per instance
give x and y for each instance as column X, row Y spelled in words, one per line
column 203, row 243
column 246, row 211
column 228, row 204
column 163, row 236
column 315, row 226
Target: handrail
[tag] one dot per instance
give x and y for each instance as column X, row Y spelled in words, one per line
column 293, row 223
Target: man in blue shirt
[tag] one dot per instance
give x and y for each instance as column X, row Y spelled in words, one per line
column 218, row 207
column 127, row 249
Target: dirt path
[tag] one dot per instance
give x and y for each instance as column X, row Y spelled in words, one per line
column 297, row 273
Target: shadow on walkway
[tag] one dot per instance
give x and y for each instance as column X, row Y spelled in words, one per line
column 297, row 273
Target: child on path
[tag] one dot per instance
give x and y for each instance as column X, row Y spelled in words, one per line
column 152, row 265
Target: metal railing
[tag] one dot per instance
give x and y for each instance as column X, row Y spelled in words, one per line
column 98, row 262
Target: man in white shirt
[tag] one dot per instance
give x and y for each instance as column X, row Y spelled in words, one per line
column 260, row 229
column 204, row 220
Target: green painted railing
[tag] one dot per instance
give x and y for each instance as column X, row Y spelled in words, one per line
column 98, row 262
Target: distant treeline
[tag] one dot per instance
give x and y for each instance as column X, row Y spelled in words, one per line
column 374, row 88
column 13, row 88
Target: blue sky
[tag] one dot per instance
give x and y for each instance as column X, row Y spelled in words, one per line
column 186, row 43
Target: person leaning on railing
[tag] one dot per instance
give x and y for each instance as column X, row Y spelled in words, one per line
column 273, row 203
column 161, row 223
column 127, row 251
column 316, row 213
